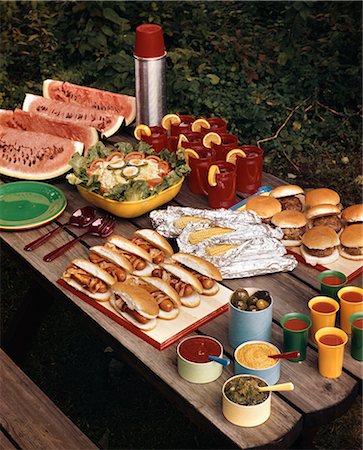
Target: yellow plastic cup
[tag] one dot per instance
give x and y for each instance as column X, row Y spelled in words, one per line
column 321, row 319
column 331, row 356
column 347, row 308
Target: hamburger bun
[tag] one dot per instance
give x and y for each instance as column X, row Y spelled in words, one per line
column 353, row 214
column 322, row 210
column 264, row 206
column 155, row 239
column 112, row 256
column 351, row 241
column 292, row 224
column 321, row 196
column 136, row 299
column 316, row 242
column 94, row 270
column 287, row 190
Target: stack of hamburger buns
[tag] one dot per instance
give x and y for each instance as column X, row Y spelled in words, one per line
column 142, row 278
column 316, row 222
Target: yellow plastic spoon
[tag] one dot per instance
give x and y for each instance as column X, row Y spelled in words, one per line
column 278, row 387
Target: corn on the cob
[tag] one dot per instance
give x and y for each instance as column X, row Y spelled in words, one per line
column 182, row 222
column 201, row 235
column 220, row 249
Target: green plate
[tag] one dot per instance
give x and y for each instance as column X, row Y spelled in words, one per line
column 29, row 204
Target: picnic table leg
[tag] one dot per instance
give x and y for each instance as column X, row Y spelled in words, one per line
column 22, row 328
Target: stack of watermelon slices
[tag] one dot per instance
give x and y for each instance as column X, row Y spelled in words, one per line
column 37, row 142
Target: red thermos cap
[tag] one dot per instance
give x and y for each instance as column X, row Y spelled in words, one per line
column 149, row 41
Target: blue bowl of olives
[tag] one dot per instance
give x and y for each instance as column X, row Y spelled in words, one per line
column 250, row 316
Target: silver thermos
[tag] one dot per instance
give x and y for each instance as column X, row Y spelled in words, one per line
column 150, row 80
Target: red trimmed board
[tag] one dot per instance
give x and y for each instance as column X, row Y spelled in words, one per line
column 166, row 332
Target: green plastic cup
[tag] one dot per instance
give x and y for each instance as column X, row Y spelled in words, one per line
column 356, row 349
column 329, row 283
column 295, row 339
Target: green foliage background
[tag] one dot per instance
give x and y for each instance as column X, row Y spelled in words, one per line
column 252, row 63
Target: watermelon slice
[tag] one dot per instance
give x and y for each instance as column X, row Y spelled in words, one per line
column 105, row 101
column 107, row 124
column 31, row 155
column 23, row 120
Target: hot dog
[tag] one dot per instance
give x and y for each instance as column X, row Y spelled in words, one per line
column 205, row 271
column 135, row 304
column 110, row 261
column 139, row 258
column 89, row 279
column 166, row 297
column 184, row 282
column 152, row 242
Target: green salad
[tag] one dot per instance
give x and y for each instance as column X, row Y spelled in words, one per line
column 126, row 172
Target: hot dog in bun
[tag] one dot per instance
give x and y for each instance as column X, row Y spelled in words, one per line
column 110, row 261
column 183, row 281
column 135, row 305
column 166, row 297
column 89, row 279
column 153, row 243
column 206, row 272
column 139, row 258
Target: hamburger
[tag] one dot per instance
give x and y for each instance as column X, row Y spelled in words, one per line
column 292, row 224
column 322, row 196
column 320, row 245
column 140, row 259
column 88, row 278
column 136, row 305
column 351, row 241
column 206, row 272
column 290, row 196
column 183, row 281
column 353, row 214
column 110, row 261
column 325, row 214
column 156, row 245
column 264, row 206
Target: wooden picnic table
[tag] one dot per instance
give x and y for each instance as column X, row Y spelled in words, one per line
column 316, row 400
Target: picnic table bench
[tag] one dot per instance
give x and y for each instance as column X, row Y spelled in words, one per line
column 29, row 419
column 315, row 400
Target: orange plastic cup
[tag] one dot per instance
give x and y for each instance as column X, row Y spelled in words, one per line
column 322, row 319
column 331, row 356
column 349, row 304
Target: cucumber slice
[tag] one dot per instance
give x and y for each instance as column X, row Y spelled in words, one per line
column 130, row 172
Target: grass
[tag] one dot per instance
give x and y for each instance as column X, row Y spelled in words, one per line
column 111, row 403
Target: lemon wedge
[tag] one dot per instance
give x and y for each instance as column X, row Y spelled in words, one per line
column 169, row 120
column 211, row 138
column 198, row 124
column 232, row 155
column 189, row 152
column 182, row 138
column 141, row 130
column 212, row 173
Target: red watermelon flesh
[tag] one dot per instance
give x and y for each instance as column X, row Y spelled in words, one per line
column 31, row 155
column 108, row 102
column 23, row 120
column 107, row 124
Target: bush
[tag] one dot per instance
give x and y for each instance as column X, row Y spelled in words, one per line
column 285, row 69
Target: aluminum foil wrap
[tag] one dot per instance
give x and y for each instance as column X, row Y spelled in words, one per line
column 163, row 219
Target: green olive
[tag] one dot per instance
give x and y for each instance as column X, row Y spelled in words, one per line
column 262, row 304
column 240, row 294
column 252, row 308
column 252, row 300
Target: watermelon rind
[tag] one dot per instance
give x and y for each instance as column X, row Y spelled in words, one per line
column 117, row 119
column 93, row 135
column 129, row 118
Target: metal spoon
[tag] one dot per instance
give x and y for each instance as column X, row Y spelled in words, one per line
column 81, row 218
column 101, row 227
column 286, row 355
column 277, row 387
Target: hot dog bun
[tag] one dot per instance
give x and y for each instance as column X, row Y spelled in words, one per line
column 171, row 293
column 136, row 299
column 201, row 266
column 156, row 240
column 193, row 300
column 94, row 270
column 112, row 256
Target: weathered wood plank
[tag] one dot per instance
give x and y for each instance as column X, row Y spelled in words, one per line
column 5, row 443
column 30, row 418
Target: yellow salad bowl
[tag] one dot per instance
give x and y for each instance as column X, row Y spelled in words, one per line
column 131, row 209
